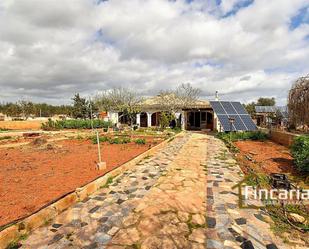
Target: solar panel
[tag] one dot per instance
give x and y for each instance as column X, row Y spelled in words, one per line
column 228, row 107
column 217, row 107
column 249, row 122
column 239, row 108
column 224, row 121
column 265, row 109
column 226, row 110
column 238, row 123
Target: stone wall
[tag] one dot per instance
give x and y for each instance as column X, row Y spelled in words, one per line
column 282, row 137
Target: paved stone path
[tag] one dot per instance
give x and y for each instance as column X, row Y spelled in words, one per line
column 172, row 215
column 229, row 226
column 125, row 214
column 162, row 203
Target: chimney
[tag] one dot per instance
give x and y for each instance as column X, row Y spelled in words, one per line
column 217, row 96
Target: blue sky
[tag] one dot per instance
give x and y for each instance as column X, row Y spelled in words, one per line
column 245, row 49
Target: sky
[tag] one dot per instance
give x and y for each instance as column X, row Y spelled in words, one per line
column 244, row 49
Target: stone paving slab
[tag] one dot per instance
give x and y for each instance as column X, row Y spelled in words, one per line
column 93, row 222
column 230, row 226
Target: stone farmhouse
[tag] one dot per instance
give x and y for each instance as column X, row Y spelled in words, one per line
column 197, row 116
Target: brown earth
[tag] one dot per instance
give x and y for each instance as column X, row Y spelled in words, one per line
column 32, row 176
column 267, row 157
column 21, row 125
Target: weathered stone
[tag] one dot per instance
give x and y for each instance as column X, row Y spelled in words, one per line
column 198, row 219
column 130, row 220
column 148, row 225
column 127, row 236
column 183, row 216
column 297, row 218
column 211, row 222
column 198, row 235
column 152, row 243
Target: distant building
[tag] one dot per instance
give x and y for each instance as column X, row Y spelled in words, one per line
column 271, row 116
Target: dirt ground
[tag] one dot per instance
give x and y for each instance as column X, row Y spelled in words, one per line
column 21, row 125
column 34, row 175
column 264, row 157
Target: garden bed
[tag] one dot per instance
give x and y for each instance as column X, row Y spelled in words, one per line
column 264, row 157
column 36, row 174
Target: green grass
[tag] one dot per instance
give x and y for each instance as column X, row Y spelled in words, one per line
column 5, row 137
column 109, row 181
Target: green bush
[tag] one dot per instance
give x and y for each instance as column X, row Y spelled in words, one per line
column 115, row 140
column 140, row 141
column 126, row 140
column 74, row 124
column 101, row 139
column 248, row 135
column 300, row 152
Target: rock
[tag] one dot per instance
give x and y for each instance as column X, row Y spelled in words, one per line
column 183, row 216
column 297, row 218
column 130, row 220
column 230, row 161
column 198, row 219
column 126, row 236
column 198, row 235
column 249, row 158
column 151, row 243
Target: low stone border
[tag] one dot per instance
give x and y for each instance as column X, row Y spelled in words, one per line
column 45, row 215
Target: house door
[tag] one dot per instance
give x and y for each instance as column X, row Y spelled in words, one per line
column 197, row 119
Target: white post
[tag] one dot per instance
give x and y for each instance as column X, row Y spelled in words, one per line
column 183, row 122
column 148, row 119
column 138, row 119
column 98, row 142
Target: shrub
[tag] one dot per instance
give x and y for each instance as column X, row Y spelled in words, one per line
column 101, row 139
column 50, row 125
column 126, row 140
column 115, row 140
column 300, row 152
column 140, row 141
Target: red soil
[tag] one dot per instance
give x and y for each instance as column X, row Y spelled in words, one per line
column 31, row 177
column 267, row 157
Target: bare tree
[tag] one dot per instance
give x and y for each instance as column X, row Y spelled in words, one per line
column 172, row 101
column 187, row 94
column 183, row 96
column 298, row 105
column 121, row 100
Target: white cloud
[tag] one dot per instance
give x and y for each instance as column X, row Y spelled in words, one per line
column 51, row 49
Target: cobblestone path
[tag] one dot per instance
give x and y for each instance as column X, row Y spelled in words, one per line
column 144, row 207
column 229, row 226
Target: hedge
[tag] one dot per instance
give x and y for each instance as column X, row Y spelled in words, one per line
column 300, row 152
column 75, row 124
column 247, row 135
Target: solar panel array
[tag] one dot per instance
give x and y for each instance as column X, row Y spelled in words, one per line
column 226, row 110
column 283, row 110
